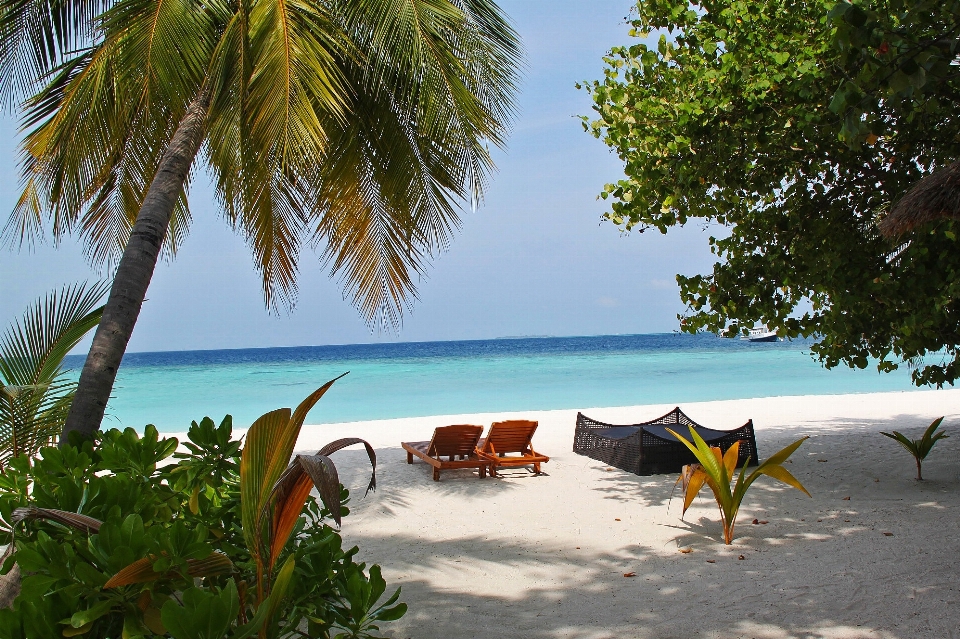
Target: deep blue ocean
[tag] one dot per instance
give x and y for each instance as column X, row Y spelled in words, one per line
column 411, row 379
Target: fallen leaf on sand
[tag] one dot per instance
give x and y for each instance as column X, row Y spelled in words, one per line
column 847, row 498
column 886, row 534
column 608, row 469
column 876, row 480
column 629, row 574
column 756, row 521
column 617, row 519
column 686, row 550
column 711, row 561
column 578, row 547
column 764, row 522
column 821, row 460
column 741, row 557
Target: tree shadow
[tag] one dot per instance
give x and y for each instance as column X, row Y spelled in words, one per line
column 511, row 586
column 398, row 481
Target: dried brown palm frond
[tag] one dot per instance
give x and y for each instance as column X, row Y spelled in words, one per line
column 935, row 197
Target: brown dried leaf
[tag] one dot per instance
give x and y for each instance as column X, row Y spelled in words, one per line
column 323, row 472
column 334, row 446
column 629, row 574
column 686, row 550
column 141, row 571
column 63, row 517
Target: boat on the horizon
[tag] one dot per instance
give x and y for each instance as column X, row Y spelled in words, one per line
column 762, row 334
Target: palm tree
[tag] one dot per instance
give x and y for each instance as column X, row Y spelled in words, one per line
column 355, row 126
column 34, row 391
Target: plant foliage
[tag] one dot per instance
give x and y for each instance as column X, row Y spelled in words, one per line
column 355, row 126
column 35, row 393
column 716, row 470
column 920, row 448
column 789, row 127
column 116, row 541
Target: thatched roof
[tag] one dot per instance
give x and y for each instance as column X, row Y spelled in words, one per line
column 935, row 197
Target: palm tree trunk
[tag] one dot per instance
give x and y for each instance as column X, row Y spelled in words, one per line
column 134, row 272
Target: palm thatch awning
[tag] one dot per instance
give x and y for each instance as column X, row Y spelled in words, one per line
column 935, row 197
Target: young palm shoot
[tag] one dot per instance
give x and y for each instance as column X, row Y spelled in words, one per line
column 920, row 448
column 716, row 470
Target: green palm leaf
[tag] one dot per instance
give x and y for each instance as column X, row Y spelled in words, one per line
column 34, row 392
column 919, row 448
column 35, row 35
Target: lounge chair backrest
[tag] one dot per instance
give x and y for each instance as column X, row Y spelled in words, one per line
column 460, row 439
column 510, row 437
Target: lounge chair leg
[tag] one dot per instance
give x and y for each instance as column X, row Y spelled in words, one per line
column 482, row 472
column 436, row 474
column 409, row 458
column 536, row 469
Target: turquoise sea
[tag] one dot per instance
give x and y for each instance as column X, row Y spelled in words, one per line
column 413, row 379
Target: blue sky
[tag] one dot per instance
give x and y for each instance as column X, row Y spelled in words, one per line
column 534, row 259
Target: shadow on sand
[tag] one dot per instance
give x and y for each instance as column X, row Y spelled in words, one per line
column 852, row 563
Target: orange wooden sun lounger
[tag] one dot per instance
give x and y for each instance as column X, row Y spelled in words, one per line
column 510, row 437
column 453, row 442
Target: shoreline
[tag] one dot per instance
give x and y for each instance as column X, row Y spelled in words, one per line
column 766, row 412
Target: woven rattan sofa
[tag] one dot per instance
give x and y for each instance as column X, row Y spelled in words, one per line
column 648, row 449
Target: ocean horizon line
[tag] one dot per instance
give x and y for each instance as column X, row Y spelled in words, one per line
column 412, row 343
column 415, row 342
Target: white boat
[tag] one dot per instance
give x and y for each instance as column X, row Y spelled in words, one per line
column 762, row 334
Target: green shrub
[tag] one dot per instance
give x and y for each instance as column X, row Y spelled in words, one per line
column 115, row 541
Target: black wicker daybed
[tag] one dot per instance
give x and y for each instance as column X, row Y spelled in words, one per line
column 648, row 449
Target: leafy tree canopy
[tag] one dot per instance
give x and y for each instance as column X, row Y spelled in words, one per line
column 795, row 124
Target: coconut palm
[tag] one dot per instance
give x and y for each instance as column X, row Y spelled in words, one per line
column 35, row 392
column 354, row 126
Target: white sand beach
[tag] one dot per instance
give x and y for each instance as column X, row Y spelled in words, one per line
column 871, row 555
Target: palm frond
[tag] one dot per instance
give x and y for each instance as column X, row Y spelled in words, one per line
column 101, row 124
column 360, row 125
column 435, row 84
column 36, row 35
column 34, row 394
column 294, row 81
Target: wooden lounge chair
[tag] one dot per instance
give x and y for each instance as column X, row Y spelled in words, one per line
column 510, row 437
column 457, row 443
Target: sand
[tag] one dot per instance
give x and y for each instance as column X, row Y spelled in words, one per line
column 874, row 553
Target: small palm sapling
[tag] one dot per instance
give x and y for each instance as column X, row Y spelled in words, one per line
column 920, row 448
column 715, row 469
